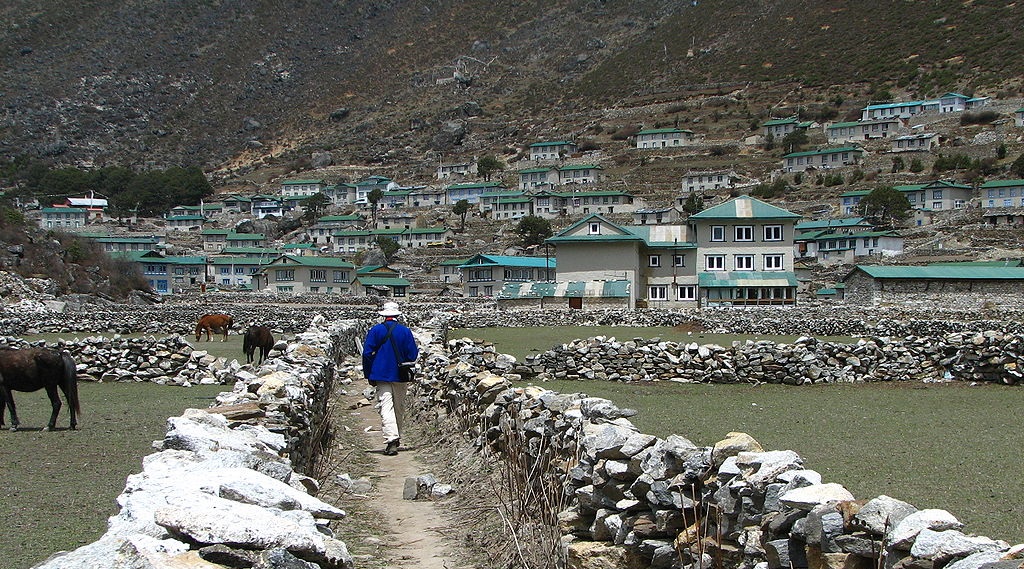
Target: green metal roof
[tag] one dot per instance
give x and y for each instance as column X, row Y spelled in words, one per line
column 367, row 280
column 351, row 233
column 299, row 246
column 823, row 151
column 830, row 223
column 942, row 272
column 184, row 218
column 775, row 122
column 535, row 170
column 259, row 250
column 854, row 193
column 1002, row 184
column 245, row 236
column 474, row 185
column 745, row 207
column 842, row 125
column 555, row 143
column 581, row 167
column 825, row 292
column 595, row 193
column 908, row 187
column 64, row 210
column 746, row 279
column 450, row 262
column 146, row 240
column 574, row 289
column 352, row 217
column 313, row 261
column 663, row 131
column 239, row 260
column 1005, row 263
column 215, row 232
column 508, row 261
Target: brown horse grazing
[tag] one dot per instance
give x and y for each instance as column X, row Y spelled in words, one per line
column 257, row 337
column 31, row 369
column 217, row 323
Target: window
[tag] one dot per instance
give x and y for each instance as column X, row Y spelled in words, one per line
column 774, row 262
column 657, row 292
column 284, row 275
column 686, row 292
column 285, row 288
column 714, row 262
column 341, row 276
column 480, row 275
column 518, row 274
column 678, row 260
column 718, row 233
column 936, row 194
column 773, row 233
column 936, row 205
column 654, row 260
column 239, row 270
column 744, row 262
column 317, row 276
column 744, row 233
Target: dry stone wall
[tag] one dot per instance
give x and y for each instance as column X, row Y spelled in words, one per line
column 636, row 500
column 989, row 356
column 225, row 485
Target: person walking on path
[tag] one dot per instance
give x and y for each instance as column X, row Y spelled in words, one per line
column 387, row 346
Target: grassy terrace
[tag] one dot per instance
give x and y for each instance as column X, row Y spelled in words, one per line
column 943, row 446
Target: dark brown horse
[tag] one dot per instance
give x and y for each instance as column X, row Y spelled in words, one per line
column 257, row 337
column 31, row 369
column 216, row 323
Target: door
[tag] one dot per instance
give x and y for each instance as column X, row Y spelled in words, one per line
column 576, row 303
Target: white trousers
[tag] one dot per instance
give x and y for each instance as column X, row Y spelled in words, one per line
column 391, row 401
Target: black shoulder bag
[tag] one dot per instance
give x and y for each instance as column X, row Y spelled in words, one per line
column 406, row 370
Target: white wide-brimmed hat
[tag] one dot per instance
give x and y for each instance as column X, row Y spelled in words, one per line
column 390, row 309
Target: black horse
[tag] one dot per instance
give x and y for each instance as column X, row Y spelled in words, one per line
column 32, row 369
column 257, row 337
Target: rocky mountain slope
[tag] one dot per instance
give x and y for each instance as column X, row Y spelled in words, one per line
column 236, row 86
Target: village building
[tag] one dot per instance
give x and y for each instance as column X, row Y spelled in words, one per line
column 291, row 188
column 1002, row 194
column 824, row 158
column 554, row 150
column 471, row 191
column 297, row 275
column 664, row 138
column 920, row 142
column 485, row 275
column 857, row 131
column 706, row 181
column 947, row 103
column 969, row 287
column 63, row 217
column 776, row 129
column 657, row 216
column 184, row 222
column 234, row 271
column 458, row 170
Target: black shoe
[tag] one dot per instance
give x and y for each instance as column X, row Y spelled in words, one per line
column 392, row 448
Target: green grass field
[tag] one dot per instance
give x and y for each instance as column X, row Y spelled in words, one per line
column 521, row 342
column 85, row 470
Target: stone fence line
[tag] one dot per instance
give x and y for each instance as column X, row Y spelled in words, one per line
column 990, row 356
column 224, row 486
column 636, row 500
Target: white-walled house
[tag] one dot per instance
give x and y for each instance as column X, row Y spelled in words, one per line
column 291, row 188
column 921, row 142
column 822, row 159
column 63, row 217
column 778, row 128
column 843, row 132
column 664, row 138
column 554, row 150
column 1002, row 193
column 708, row 180
column 948, row 103
column 461, row 169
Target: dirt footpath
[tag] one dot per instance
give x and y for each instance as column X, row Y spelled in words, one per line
column 417, row 530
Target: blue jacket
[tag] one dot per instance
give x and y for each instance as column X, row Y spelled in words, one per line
column 379, row 361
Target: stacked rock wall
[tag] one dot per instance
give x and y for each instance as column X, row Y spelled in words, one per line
column 225, row 485
column 990, row 356
column 636, row 500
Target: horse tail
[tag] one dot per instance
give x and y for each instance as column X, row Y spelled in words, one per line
column 71, row 381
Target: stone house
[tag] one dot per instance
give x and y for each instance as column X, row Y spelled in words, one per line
column 114, row 244
column 506, row 205
column 550, row 205
column 532, row 178
column 320, row 232
column 824, row 158
column 849, row 201
column 297, row 275
column 969, row 287
column 471, row 191
column 664, row 138
column 554, row 150
column 485, row 275
column 237, row 204
column 947, row 103
column 447, row 271
column 778, row 128
column 207, row 210
column 263, row 205
column 184, row 222
column 167, row 274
